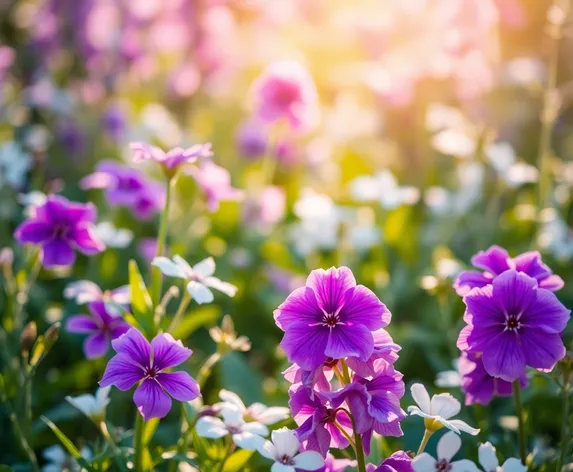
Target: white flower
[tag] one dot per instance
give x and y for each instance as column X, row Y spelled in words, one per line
column 93, row 406
column 199, row 277
column 448, row 445
column 85, row 291
column 248, row 436
column 438, row 411
column 31, row 201
column 14, row 165
column 489, row 462
column 118, row 238
column 59, row 461
column 383, row 187
column 454, row 142
column 449, row 378
column 257, row 411
column 284, row 451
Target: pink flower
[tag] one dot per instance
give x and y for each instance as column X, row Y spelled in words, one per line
column 215, row 181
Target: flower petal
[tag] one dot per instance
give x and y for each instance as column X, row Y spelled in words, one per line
column 84, row 240
column 167, row 352
column 305, row 344
column 34, row 232
column 96, row 345
column 463, row 426
column 285, row 441
column 278, row 467
column 414, row 410
column 205, row 268
column 121, row 372
column 308, row 460
column 444, row 405
column 232, row 398
column 513, row 465
column 330, row 287
column 487, row 457
column 469, row 279
column 134, row 346
column 350, row 341
column 503, row 356
column 547, row 313
column 81, row 324
column 57, row 252
column 223, row 287
column 180, row 385
column 541, row 350
column 421, row 397
column 448, row 446
column 424, row 463
column 300, row 305
column 200, row 293
column 362, row 306
column 210, row 427
column 151, row 400
column 495, row 260
column 464, row 465
column 248, row 441
column 514, row 291
column 268, row 450
column 553, row 283
column 168, row 267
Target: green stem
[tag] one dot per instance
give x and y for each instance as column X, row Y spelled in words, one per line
column 564, row 424
column 425, row 439
column 345, row 372
column 180, row 312
column 207, row 368
column 359, row 448
column 21, row 437
column 230, row 448
column 118, row 454
column 138, row 443
column 156, row 280
column 519, row 411
column 346, row 435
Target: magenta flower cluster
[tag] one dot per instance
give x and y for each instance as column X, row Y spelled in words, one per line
column 343, row 362
column 513, row 321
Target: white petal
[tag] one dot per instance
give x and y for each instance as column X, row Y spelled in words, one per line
column 232, row 415
column 448, row 445
column 448, row 379
column 205, row 268
column 268, row 450
column 421, row 397
column 445, row 405
column 463, row 426
column 464, row 465
column 199, row 292
column 414, row 410
column 55, row 454
column 224, row 287
column 270, row 415
column 232, row 398
column 102, row 397
column 86, row 403
column 447, row 424
column 308, row 460
column 285, row 441
column 424, row 463
column 513, row 465
column 86, row 453
column 487, row 457
column 256, row 428
column 121, row 295
column 168, row 267
column 248, row 441
column 278, row 467
column 183, row 265
column 210, row 427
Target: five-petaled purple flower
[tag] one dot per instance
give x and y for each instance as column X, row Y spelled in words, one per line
column 171, row 160
column 496, row 261
column 137, row 360
column 514, row 324
column 330, row 317
column 60, row 227
column 102, row 327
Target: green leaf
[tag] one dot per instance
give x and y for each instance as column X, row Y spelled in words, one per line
column 140, row 299
column 237, row 461
column 194, row 320
column 149, row 428
column 68, row 444
column 43, row 345
column 236, row 375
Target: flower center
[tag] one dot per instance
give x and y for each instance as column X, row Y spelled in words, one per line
column 151, row 372
column 512, row 322
column 286, row 459
column 60, row 232
column 443, row 465
column 234, row 429
column 330, row 416
column 330, row 319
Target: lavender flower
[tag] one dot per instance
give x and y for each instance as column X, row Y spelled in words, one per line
column 114, row 122
column 330, row 317
column 448, row 446
column 60, row 227
column 496, row 261
column 101, row 325
column 215, row 182
column 284, row 451
column 331, row 464
column 170, row 161
column 138, row 360
column 251, row 140
column 400, row 461
column 514, row 324
column 85, row 291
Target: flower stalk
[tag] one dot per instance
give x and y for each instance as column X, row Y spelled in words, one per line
column 427, row 435
column 566, row 389
column 521, row 422
column 180, row 312
column 138, row 443
column 230, row 448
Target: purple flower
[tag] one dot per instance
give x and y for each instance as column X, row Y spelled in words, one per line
column 285, row 90
column 400, row 461
column 331, row 464
column 478, row 385
column 316, row 420
column 251, row 140
column 330, row 316
column 514, row 324
column 170, row 161
column 60, row 227
column 496, row 261
column 215, row 181
column 101, row 325
column 147, row 249
column 114, row 122
column 85, row 291
column 137, row 360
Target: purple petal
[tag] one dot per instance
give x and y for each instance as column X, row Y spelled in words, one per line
column 300, row 305
column 530, row 263
column 495, row 260
column 388, row 429
column 553, row 283
column 97, row 180
column 85, row 241
column 475, row 338
column 547, row 313
column 56, row 253
column 180, row 385
column 542, row 350
column 514, row 291
column 134, row 346
column 122, row 372
column 387, row 379
column 167, row 352
column 385, row 407
column 151, row 400
column 362, row 306
column 330, row 287
column 469, row 279
column 319, row 440
column 99, row 311
column 54, row 210
column 305, row 344
column 503, row 356
column 119, row 328
column 34, row 232
column 96, row 345
column 349, row 341
column 82, row 212
column 481, row 308
column 81, row 324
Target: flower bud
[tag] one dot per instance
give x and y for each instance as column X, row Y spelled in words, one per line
column 28, row 336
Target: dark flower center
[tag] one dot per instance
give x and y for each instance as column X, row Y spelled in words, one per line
column 330, row 319
column 512, row 322
column 151, row 372
column 330, row 416
column 443, row 465
column 60, row 231
column 330, row 362
column 286, row 459
column 234, row 429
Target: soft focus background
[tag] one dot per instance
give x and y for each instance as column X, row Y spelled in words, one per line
column 426, row 149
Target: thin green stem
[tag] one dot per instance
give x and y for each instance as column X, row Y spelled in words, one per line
column 156, row 280
column 425, row 439
column 519, row 412
column 119, row 458
column 564, row 423
column 207, row 367
column 21, row 437
column 359, row 447
column 138, row 443
column 180, row 312
column 345, row 372
column 346, row 435
column 230, row 448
